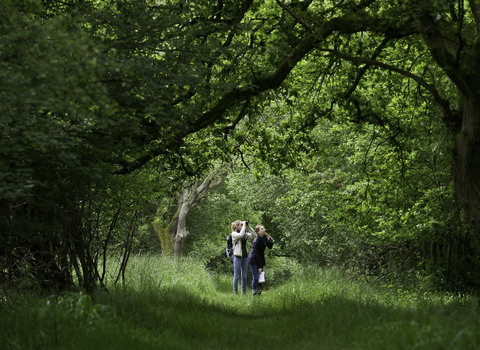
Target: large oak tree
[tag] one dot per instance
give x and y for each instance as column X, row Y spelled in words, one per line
column 249, row 47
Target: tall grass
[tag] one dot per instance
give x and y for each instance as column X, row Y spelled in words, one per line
column 166, row 304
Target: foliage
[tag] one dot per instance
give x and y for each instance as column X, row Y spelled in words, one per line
column 369, row 198
column 96, row 90
column 74, row 114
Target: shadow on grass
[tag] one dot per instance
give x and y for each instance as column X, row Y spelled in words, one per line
column 282, row 320
column 176, row 317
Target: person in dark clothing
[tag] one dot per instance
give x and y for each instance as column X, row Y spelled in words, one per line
column 256, row 258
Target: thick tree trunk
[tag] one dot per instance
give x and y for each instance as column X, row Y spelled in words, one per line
column 185, row 202
column 166, row 234
column 187, row 199
column 466, row 160
column 181, row 229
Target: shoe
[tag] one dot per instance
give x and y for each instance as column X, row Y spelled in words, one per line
column 235, row 292
column 243, row 292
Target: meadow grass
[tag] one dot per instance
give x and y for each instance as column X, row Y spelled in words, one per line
column 166, row 304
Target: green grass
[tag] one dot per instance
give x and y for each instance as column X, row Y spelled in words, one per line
column 170, row 305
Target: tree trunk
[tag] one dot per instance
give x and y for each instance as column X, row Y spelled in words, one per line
column 80, row 249
column 466, row 160
column 185, row 203
column 187, row 199
column 166, row 234
column 173, row 237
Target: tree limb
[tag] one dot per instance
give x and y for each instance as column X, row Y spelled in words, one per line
column 441, row 102
column 364, row 69
column 342, row 25
column 475, row 6
column 297, row 17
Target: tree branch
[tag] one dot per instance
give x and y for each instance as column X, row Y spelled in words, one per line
column 475, row 6
column 301, row 20
column 240, row 117
column 342, row 25
column 364, row 69
column 441, row 102
column 445, row 51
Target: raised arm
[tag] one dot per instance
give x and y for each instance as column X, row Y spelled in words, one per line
column 237, row 235
column 251, row 234
column 269, row 242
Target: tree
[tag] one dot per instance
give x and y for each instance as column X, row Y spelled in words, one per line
column 173, row 236
column 316, row 46
column 379, row 206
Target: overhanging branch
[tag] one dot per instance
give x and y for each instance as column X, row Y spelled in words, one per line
column 341, row 25
column 442, row 103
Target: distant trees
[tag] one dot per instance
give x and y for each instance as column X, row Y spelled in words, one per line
column 379, row 207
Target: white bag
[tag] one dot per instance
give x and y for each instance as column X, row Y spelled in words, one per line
column 261, row 278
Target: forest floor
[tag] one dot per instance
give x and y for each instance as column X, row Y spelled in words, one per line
column 169, row 305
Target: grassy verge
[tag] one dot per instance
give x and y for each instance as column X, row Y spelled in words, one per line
column 170, row 305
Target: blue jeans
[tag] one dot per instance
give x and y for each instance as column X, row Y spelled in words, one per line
column 240, row 265
column 255, row 285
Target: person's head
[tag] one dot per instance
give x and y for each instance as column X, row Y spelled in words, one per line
column 237, row 225
column 260, row 230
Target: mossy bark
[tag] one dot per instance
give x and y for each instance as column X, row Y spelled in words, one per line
column 166, row 234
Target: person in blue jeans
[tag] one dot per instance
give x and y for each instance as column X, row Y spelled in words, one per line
column 241, row 232
column 256, row 258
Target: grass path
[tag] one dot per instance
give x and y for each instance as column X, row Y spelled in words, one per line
column 165, row 305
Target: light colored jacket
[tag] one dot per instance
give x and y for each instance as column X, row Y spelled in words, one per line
column 237, row 236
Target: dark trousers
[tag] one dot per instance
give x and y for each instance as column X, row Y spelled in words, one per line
column 256, row 287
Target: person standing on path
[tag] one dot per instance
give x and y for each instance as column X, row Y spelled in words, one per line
column 240, row 235
column 256, row 258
